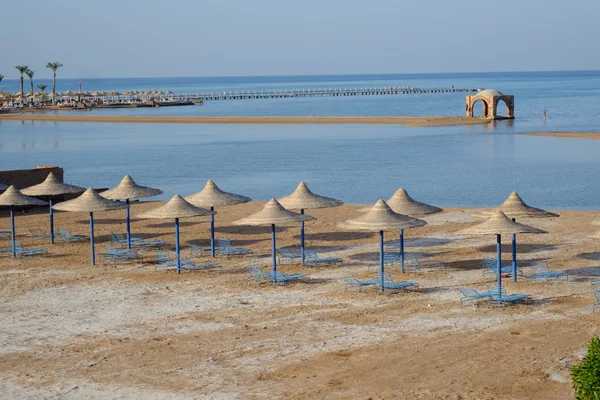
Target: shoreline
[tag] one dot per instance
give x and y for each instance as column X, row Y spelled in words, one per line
column 572, row 135
column 391, row 120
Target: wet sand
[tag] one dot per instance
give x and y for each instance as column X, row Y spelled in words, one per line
column 406, row 121
column 577, row 135
column 74, row 331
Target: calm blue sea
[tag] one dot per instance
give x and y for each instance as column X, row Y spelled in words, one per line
column 450, row 166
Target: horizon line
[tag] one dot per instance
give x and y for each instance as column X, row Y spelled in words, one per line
column 317, row 75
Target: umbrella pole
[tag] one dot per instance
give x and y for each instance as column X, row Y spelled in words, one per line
column 274, row 251
column 51, row 222
column 128, row 215
column 12, row 231
column 302, row 237
column 177, row 245
column 381, row 266
column 212, row 232
column 499, row 261
column 92, row 238
column 402, row 250
column 514, row 255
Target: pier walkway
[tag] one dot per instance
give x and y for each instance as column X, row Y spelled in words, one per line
column 327, row 92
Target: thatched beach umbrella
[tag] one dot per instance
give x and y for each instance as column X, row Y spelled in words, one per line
column 499, row 224
column 303, row 198
column 211, row 196
column 514, row 207
column 127, row 190
column 273, row 214
column 52, row 187
column 176, row 208
column 13, row 197
column 402, row 203
column 90, row 202
column 379, row 219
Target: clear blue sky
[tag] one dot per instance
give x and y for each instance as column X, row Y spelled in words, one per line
column 158, row 38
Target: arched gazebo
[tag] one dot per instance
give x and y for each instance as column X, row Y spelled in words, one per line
column 490, row 99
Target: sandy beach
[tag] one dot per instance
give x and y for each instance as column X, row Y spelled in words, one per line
column 577, row 135
column 406, row 121
column 75, row 331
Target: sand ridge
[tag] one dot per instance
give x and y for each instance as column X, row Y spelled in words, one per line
column 406, row 121
column 74, row 331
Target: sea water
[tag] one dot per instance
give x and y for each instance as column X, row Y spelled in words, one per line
column 450, row 166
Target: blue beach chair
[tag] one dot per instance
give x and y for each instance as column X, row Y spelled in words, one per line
column 226, row 250
column 38, row 234
column 311, row 258
column 288, row 255
column 490, row 266
column 198, row 251
column 472, row 295
column 540, row 271
column 21, row 251
column 389, row 284
column 65, row 234
column 353, row 283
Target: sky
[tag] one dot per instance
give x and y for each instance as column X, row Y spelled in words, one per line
column 158, row 38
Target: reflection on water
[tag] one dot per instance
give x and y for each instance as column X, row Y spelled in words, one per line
column 463, row 166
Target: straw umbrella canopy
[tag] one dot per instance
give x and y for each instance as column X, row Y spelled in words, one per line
column 514, row 207
column 379, row 219
column 52, row 187
column 127, row 190
column 402, row 203
column 211, row 196
column 13, row 197
column 273, row 214
column 90, row 202
column 303, row 198
column 176, row 208
column 499, row 224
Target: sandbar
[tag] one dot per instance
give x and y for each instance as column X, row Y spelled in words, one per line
column 392, row 120
column 576, row 135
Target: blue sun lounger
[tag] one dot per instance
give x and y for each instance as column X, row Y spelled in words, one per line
column 353, row 283
column 311, row 258
column 472, row 295
column 21, row 251
column 540, row 270
column 225, row 249
column 198, row 251
column 65, row 234
column 288, row 255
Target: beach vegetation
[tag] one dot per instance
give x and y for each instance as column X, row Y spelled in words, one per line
column 22, row 69
column 1, row 77
column 43, row 87
column 54, row 66
column 585, row 376
column 30, row 73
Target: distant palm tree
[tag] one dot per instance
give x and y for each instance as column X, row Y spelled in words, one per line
column 54, row 66
column 1, row 77
column 30, row 74
column 43, row 87
column 22, row 69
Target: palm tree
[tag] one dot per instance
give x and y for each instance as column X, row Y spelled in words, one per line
column 1, row 77
column 54, row 66
column 30, row 74
column 43, row 87
column 22, row 69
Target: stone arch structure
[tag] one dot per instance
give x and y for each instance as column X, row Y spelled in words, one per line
column 490, row 99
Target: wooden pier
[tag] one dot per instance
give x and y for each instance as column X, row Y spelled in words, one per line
column 327, row 92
